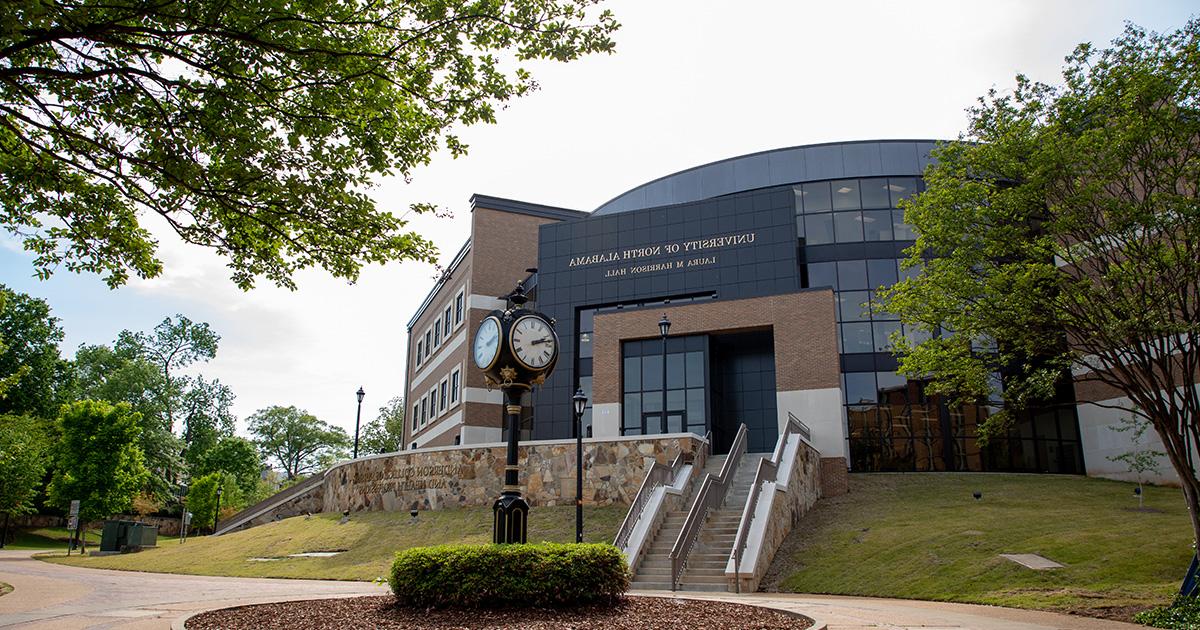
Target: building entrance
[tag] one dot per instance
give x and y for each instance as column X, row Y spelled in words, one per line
column 742, row 368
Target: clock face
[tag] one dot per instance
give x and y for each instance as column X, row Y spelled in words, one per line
column 534, row 342
column 487, row 343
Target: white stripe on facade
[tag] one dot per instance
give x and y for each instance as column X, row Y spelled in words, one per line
column 449, row 423
column 446, row 352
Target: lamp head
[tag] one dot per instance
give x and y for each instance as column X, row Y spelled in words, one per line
column 664, row 325
column 580, row 401
column 360, row 394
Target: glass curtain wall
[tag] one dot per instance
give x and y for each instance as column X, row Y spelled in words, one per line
column 686, row 383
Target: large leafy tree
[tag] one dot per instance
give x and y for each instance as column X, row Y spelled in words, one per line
column 97, row 459
column 30, row 361
column 1062, row 235
column 297, row 440
column 175, row 343
column 385, row 434
column 122, row 376
column 235, row 456
column 23, row 447
column 252, row 128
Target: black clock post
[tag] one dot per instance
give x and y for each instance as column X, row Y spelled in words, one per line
column 516, row 348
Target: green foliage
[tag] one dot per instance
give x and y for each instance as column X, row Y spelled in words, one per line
column 481, row 576
column 202, row 499
column 175, row 343
column 252, row 128
column 1137, row 460
column 297, row 440
column 97, row 459
column 30, row 367
column 23, row 448
column 235, row 456
column 384, row 434
column 1183, row 614
column 1062, row 214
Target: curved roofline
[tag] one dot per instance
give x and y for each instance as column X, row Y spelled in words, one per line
column 776, row 150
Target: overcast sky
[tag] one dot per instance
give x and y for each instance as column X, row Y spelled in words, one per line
column 690, row 82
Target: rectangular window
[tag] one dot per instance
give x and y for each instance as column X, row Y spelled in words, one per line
column 816, row 197
column 818, row 229
column 416, row 416
column 878, row 225
column 848, row 226
column 845, row 194
column 437, row 333
column 443, row 395
column 424, row 410
column 455, row 383
column 428, row 343
column 459, row 303
column 420, row 350
column 875, row 193
column 432, row 404
column 446, row 323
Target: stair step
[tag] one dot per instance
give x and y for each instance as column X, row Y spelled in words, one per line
column 707, row 588
column 703, row 579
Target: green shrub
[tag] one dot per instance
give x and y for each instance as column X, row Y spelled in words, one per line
column 495, row 576
column 1184, row 614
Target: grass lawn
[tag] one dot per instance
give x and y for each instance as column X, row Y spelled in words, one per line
column 923, row 536
column 370, row 540
column 48, row 538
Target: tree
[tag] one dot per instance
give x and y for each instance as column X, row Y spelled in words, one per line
column 1139, row 460
column 385, row 434
column 251, row 128
column 297, row 440
column 1063, row 233
column 235, row 456
column 207, row 413
column 175, row 343
column 22, row 464
column 202, row 498
column 97, row 460
column 31, row 337
column 122, row 376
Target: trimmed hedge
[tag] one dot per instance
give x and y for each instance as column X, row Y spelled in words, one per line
column 545, row 575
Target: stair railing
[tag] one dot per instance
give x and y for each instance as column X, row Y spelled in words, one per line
column 712, row 494
column 658, row 475
column 270, row 502
column 768, row 470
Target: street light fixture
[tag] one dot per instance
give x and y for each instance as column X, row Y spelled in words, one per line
column 358, row 418
column 664, row 326
column 580, row 403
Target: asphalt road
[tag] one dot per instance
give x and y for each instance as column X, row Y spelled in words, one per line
column 52, row 596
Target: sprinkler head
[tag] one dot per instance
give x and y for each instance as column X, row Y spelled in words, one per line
column 978, row 495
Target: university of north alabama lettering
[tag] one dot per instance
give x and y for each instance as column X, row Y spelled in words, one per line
column 667, row 249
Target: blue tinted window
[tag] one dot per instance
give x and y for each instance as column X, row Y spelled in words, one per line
column 822, row 275
column 816, row 197
column 881, row 272
column 860, row 387
column 875, row 193
column 845, row 194
column 901, row 188
column 901, row 230
column 848, row 226
column 852, row 275
column 877, row 225
column 856, row 338
column 818, row 229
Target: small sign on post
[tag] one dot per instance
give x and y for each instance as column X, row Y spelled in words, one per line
column 72, row 526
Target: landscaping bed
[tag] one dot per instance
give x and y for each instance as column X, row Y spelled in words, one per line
column 381, row 612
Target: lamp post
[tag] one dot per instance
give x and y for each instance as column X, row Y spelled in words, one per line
column 358, row 418
column 664, row 326
column 580, row 402
column 217, row 514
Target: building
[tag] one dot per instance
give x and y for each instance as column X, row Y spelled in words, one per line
column 763, row 264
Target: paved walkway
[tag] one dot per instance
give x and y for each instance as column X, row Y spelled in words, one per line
column 51, row 596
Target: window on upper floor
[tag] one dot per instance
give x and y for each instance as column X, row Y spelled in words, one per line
column 416, row 416
column 460, row 305
column 420, row 351
column 437, row 332
column 424, row 410
column 446, row 323
column 443, row 395
column 455, row 384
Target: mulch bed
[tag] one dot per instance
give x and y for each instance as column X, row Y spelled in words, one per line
column 634, row 613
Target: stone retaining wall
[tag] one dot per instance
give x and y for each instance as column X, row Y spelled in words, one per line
column 431, row 479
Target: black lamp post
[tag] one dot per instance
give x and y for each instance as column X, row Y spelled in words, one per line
column 664, row 326
column 580, row 402
column 217, row 514
column 358, row 419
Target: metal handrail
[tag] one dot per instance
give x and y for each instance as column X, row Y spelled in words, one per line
column 274, row 500
column 658, row 475
column 712, row 494
column 768, row 470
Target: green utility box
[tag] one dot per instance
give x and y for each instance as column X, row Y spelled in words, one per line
column 126, row 536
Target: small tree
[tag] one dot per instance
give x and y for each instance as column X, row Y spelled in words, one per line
column 202, row 497
column 297, row 440
column 97, row 459
column 385, row 434
column 237, row 457
column 1138, row 460
column 22, row 464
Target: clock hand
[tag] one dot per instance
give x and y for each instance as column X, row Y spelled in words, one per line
column 537, row 341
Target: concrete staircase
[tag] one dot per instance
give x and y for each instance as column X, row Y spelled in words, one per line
column 706, row 564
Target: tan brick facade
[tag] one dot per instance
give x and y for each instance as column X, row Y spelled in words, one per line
column 803, row 326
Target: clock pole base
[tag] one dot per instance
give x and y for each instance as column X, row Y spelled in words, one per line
column 510, row 515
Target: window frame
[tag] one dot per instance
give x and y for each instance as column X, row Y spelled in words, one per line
column 455, row 385
column 460, row 307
